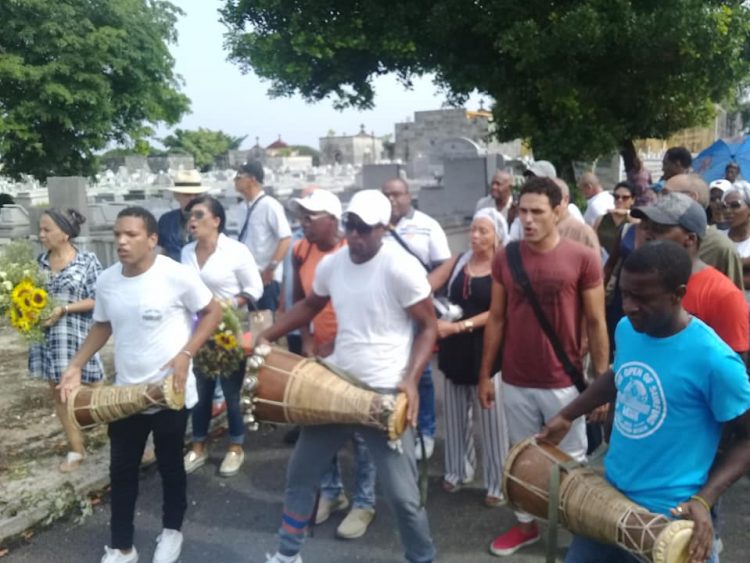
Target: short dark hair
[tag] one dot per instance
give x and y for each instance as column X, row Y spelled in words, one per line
column 680, row 155
column 543, row 186
column 253, row 168
column 732, row 165
column 667, row 258
column 627, row 185
column 148, row 218
column 217, row 209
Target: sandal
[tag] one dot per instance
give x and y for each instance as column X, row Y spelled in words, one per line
column 491, row 501
column 72, row 462
column 449, row 487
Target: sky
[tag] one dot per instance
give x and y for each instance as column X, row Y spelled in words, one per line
column 222, row 98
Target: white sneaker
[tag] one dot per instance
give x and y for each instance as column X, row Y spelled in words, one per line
column 168, row 546
column 429, row 447
column 117, row 556
column 278, row 558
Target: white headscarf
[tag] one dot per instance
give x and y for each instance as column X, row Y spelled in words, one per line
column 501, row 236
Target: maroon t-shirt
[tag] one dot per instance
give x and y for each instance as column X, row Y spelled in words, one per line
column 558, row 278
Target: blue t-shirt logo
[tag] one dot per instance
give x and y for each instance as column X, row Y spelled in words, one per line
column 641, row 405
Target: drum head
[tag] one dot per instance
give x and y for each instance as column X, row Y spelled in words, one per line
column 397, row 421
column 672, row 544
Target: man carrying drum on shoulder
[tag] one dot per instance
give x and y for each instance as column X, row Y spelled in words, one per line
column 675, row 383
column 386, row 334
column 147, row 301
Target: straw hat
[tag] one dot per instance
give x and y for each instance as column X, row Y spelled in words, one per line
column 188, row 182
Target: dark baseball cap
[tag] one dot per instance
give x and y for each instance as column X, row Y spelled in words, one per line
column 676, row 210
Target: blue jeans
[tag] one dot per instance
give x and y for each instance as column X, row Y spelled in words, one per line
column 426, row 416
column 364, row 484
column 585, row 550
column 398, row 478
column 231, row 386
column 270, row 297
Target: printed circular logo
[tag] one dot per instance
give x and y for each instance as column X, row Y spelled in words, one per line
column 641, row 406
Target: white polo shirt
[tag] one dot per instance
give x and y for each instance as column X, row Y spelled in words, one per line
column 597, row 206
column 152, row 319
column 267, row 226
column 423, row 235
column 230, row 270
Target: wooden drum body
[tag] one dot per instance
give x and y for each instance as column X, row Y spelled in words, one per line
column 589, row 506
column 284, row 387
column 88, row 406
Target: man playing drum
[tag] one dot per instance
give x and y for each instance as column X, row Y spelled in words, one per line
column 386, row 333
column 675, row 383
column 147, row 302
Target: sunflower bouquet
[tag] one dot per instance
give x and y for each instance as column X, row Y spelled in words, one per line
column 23, row 299
column 222, row 354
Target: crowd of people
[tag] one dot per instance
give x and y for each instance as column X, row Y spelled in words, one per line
column 626, row 324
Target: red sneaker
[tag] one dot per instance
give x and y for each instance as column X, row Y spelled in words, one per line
column 513, row 540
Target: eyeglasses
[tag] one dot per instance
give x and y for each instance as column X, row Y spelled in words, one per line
column 310, row 217
column 622, row 197
column 358, row 225
column 733, row 205
column 198, row 214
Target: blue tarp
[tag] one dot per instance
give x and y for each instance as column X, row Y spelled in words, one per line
column 712, row 162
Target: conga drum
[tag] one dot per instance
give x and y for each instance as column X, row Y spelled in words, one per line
column 88, row 407
column 589, row 506
column 284, row 387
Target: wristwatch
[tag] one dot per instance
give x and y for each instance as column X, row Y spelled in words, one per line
column 467, row 326
column 273, row 264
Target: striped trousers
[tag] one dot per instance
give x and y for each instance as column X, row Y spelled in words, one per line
column 461, row 409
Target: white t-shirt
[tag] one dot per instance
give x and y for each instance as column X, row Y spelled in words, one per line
column 151, row 317
column 230, row 270
column 375, row 332
column 597, row 206
column 267, row 226
column 489, row 201
column 424, row 236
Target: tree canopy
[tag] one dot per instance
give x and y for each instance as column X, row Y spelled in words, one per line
column 78, row 74
column 578, row 79
column 203, row 144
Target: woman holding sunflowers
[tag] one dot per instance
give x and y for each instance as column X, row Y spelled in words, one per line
column 230, row 272
column 71, row 283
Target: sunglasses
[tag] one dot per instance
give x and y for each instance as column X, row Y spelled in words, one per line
column 357, row 225
column 733, row 205
column 198, row 214
column 623, row 197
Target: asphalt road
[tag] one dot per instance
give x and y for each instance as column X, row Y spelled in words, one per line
column 235, row 520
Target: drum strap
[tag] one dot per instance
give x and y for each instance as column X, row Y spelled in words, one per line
column 553, row 508
column 423, row 470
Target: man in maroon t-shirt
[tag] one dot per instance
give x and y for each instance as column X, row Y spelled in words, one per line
column 567, row 280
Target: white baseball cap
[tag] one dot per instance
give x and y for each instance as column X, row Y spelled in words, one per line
column 371, row 206
column 542, row 169
column 723, row 185
column 317, row 201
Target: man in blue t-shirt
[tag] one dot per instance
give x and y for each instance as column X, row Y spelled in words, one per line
column 675, row 383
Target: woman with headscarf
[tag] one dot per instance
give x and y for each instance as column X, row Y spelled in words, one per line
column 71, row 283
column 469, row 282
column 737, row 212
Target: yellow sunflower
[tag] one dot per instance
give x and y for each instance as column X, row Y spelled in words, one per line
column 21, row 321
column 22, row 294
column 39, row 298
column 226, row 340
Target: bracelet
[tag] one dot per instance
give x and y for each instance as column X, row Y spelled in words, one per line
column 187, row 352
column 65, row 310
column 700, row 500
